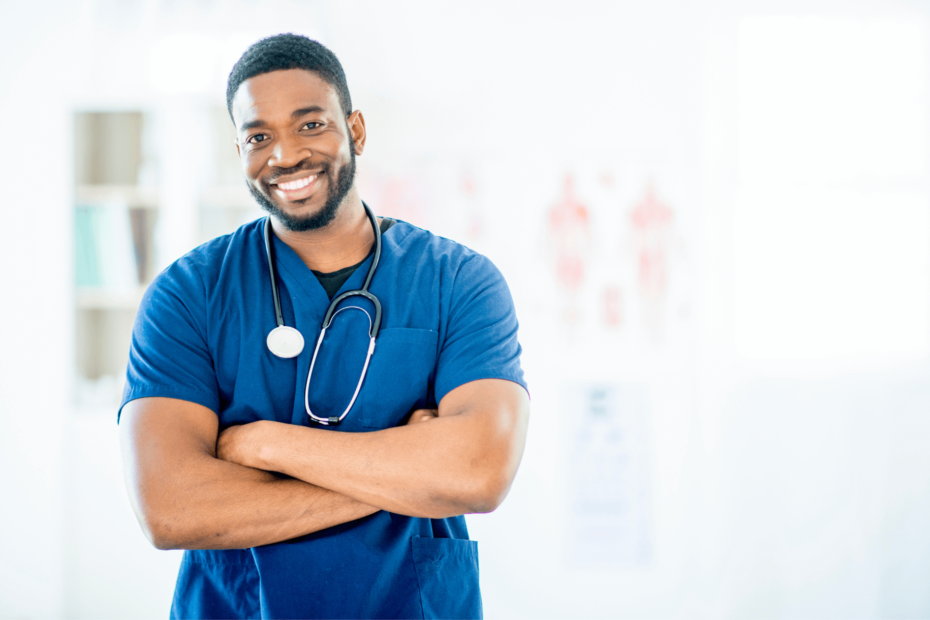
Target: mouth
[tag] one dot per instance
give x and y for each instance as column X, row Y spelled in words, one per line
column 296, row 189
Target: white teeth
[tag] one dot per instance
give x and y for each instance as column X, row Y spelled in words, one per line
column 299, row 183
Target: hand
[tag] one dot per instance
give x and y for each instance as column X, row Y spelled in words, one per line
column 242, row 443
column 422, row 415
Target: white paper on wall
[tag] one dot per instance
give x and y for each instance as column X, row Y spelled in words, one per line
column 610, row 516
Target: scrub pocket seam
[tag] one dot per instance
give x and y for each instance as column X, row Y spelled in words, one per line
column 410, row 340
column 442, row 555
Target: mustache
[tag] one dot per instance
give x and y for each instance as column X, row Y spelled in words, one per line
column 303, row 165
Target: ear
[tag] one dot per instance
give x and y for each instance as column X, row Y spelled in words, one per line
column 238, row 150
column 356, row 124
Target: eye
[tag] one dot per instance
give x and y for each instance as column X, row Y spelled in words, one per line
column 255, row 139
column 312, row 125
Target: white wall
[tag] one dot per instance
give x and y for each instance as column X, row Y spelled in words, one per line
column 782, row 443
column 35, row 319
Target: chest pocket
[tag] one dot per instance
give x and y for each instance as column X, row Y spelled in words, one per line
column 399, row 376
column 398, row 380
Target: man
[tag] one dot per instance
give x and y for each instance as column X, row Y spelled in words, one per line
column 283, row 516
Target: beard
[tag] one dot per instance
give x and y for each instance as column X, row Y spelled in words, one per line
column 339, row 186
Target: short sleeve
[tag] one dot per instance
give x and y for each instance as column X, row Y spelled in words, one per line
column 480, row 340
column 169, row 355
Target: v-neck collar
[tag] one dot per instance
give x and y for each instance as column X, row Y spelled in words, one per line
column 288, row 262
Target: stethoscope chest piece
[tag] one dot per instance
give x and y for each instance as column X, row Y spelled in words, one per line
column 285, row 341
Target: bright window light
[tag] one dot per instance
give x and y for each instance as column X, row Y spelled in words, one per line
column 832, row 222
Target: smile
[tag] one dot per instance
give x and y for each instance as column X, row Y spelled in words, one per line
column 297, row 189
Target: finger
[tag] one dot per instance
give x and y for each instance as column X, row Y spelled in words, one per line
column 421, row 415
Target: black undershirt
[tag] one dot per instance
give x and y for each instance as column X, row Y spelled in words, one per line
column 332, row 282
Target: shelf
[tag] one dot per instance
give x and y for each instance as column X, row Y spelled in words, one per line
column 227, row 197
column 101, row 299
column 129, row 195
column 98, row 397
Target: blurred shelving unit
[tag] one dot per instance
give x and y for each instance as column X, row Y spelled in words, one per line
column 115, row 213
column 149, row 185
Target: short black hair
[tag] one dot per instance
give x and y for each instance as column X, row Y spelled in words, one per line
column 289, row 51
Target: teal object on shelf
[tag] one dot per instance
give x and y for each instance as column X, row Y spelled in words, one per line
column 86, row 260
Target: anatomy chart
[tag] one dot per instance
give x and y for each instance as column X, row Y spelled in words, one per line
column 568, row 226
column 617, row 260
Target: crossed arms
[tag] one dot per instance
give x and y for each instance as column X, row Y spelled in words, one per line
column 194, row 488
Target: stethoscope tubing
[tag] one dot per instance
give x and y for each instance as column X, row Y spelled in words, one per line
column 272, row 270
column 331, row 311
column 358, row 387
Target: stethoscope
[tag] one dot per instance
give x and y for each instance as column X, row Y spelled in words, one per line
column 287, row 342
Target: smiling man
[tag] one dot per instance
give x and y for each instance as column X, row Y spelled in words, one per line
column 337, row 493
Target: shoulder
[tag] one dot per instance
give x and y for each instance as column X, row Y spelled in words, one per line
column 462, row 280
column 196, row 276
column 411, row 243
column 205, row 264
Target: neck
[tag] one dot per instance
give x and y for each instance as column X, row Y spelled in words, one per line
column 342, row 243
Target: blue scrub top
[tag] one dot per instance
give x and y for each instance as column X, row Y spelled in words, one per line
column 200, row 336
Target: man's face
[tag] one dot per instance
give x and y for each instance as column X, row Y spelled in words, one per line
column 295, row 145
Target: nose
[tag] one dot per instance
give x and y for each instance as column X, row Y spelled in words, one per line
column 288, row 152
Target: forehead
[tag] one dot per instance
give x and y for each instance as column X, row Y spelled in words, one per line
column 277, row 94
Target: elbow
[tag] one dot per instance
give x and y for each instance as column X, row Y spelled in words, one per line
column 163, row 541
column 168, row 525
column 487, row 485
column 488, row 493
column 472, row 494
column 494, row 467
column 162, row 532
column 159, row 534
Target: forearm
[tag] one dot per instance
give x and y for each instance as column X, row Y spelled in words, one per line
column 222, row 505
column 395, row 469
column 184, row 497
column 455, row 464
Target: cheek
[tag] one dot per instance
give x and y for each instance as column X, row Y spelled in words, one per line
column 252, row 165
column 330, row 145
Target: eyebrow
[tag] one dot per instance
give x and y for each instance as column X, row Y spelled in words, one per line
column 251, row 125
column 304, row 111
column 295, row 114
